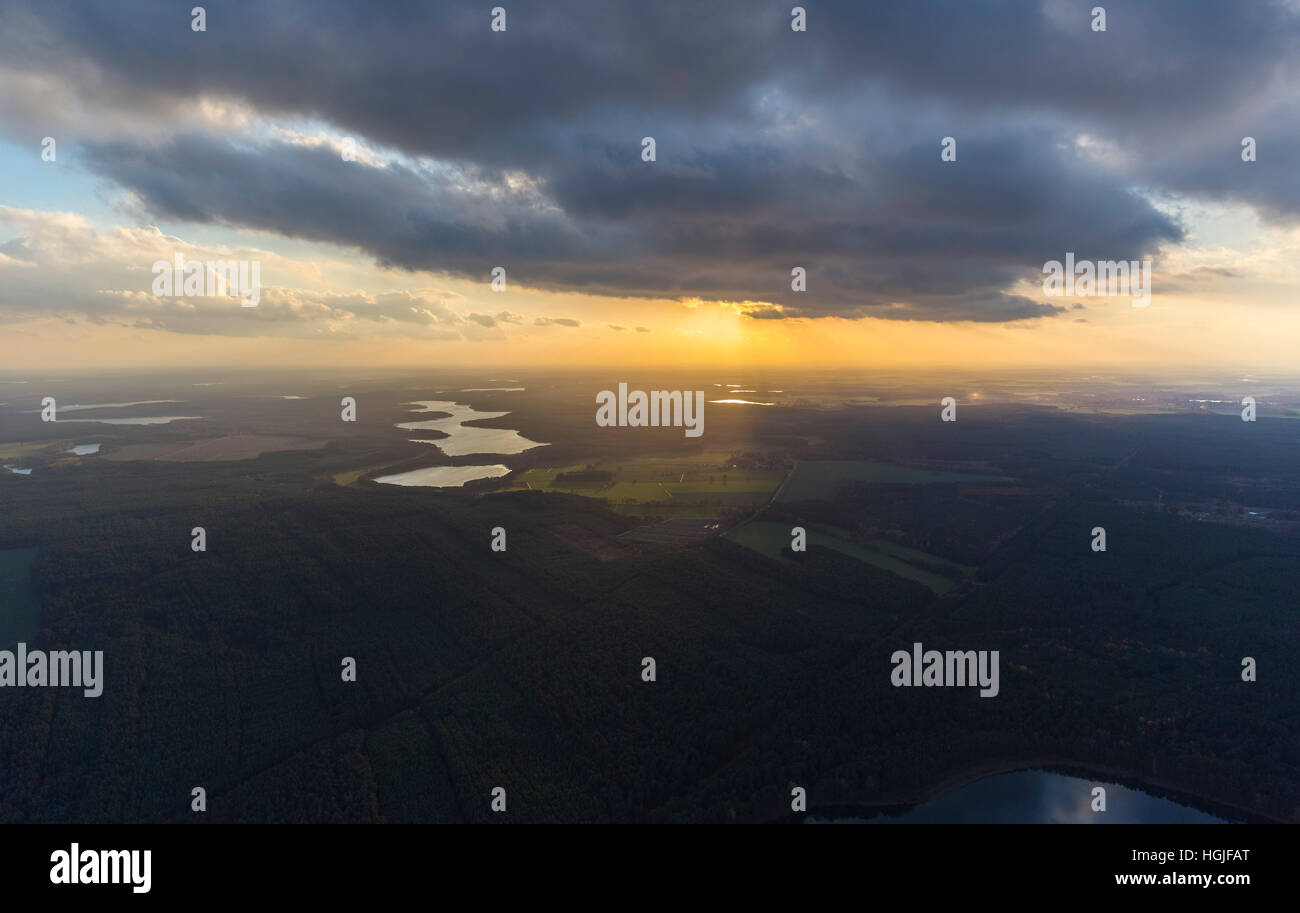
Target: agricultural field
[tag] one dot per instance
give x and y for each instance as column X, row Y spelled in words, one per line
column 816, row 480
column 699, row 485
column 230, row 447
column 17, row 450
column 931, row 571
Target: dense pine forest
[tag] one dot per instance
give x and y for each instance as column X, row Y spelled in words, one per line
column 522, row 668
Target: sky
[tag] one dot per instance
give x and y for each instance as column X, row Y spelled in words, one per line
column 379, row 161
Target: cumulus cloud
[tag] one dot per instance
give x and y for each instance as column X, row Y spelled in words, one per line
column 65, row 268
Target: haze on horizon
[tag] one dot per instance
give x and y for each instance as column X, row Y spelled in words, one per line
column 774, row 149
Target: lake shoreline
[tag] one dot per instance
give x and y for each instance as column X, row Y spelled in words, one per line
column 972, row 773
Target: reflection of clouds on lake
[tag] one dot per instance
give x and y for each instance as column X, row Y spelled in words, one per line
column 1039, row 797
column 1123, row 805
column 1070, row 801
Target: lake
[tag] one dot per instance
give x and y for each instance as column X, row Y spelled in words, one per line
column 150, row 420
column 78, row 407
column 444, row 476
column 461, row 438
column 1037, row 797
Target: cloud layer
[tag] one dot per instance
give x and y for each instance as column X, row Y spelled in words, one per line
column 774, row 149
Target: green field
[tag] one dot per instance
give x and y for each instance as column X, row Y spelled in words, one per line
column 14, row 451
column 770, row 538
column 20, row 612
column 691, row 486
column 816, row 480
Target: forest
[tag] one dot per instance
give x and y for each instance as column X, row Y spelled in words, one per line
column 521, row 669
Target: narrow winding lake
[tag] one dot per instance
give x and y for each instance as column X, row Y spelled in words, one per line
column 461, row 439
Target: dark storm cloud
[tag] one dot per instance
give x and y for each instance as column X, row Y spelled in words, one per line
column 1162, row 60
column 932, row 244
column 406, row 218
column 432, row 78
column 774, row 149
